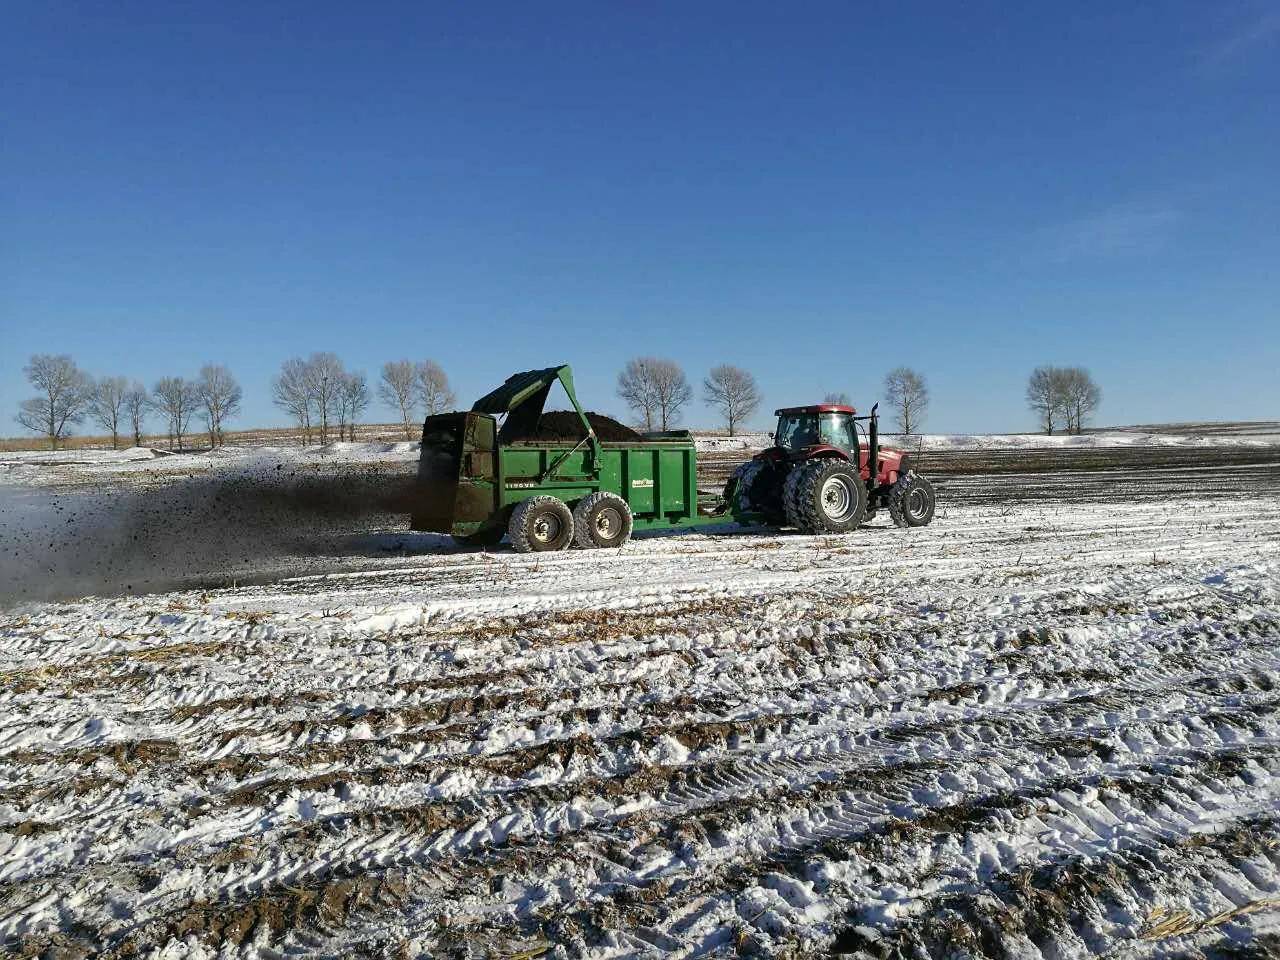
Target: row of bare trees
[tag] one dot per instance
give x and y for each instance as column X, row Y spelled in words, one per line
column 66, row 395
column 320, row 394
column 1062, row 397
column 656, row 390
column 413, row 389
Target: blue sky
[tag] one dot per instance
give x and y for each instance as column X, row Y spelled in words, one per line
column 817, row 192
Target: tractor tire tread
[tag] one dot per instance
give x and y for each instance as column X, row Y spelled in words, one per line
column 898, row 494
column 805, row 494
column 791, row 498
column 739, row 483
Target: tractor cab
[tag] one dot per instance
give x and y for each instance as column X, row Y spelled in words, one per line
column 801, row 429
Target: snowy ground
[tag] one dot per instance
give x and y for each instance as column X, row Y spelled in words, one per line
column 145, row 465
column 1044, row 725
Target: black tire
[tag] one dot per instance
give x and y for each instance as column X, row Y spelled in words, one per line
column 602, row 520
column 825, row 496
column 749, row 488
column 540, row 524
column 911, row 501
column 488, row 537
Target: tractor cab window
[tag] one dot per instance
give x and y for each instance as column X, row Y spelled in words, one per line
column 797, row 431
column 837, row 430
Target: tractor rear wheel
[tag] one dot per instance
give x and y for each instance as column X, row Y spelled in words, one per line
column 911, row 501
column 825, row 496
column 751, row 487
column 601, row 520
column 540, row 524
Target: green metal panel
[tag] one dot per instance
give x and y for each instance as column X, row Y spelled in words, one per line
column 675, row 467
column 637, row 478
column 515, row 390
column 656, row 479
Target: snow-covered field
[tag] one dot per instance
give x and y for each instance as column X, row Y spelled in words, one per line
column 1041, row 726
column 141, row 465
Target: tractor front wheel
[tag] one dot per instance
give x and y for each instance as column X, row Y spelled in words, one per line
column 540, row 524
column 911, row 501
column 825, row 496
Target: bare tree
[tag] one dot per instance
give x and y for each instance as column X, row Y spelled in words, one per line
column 220, row 396
column 323, row 380
column 673, row 391
column 1081, row 396
column 841, row 398
column 733, row 392
column 354, row 400
column 177, row 399
column 65, row 391
column 655, row 389
column 398, row 388
column 107, row 404
column 433, row 387
column 635, row 387
column 1045, row 395
column 908, row 394
column 289, row 393
column 137, row 403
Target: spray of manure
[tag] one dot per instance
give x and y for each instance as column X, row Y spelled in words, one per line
column 204, row 531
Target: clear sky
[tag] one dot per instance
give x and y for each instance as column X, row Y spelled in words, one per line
column 817, row 192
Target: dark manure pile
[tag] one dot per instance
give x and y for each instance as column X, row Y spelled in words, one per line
column 559, row 425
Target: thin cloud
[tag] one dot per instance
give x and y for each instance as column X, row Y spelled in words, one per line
column 1260, row 30
column 1123, row 230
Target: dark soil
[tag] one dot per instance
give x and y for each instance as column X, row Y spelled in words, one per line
column 565, row 425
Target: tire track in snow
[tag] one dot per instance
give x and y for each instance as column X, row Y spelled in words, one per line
column 744, row 711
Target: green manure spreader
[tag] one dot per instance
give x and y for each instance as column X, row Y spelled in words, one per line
column 495, row 471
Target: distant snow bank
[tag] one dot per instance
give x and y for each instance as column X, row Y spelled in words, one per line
column 1011, row 441
column 78, row 457
column 56, row 466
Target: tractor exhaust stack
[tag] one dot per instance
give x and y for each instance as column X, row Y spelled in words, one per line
column 873, row 442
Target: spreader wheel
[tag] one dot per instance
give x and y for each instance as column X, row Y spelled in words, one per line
column 540, row 524
column 825, row 496
column 911, row 501
column 601, row 520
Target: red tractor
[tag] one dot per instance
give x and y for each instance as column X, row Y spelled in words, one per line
column 821, row 478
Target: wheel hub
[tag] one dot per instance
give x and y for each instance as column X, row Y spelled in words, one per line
column 837, row 498
column 917, row 504
column 607, row 522
column 546, row 528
